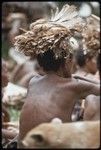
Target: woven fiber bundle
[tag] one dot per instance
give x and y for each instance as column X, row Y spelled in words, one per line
column 55, row 34
column 91, row 35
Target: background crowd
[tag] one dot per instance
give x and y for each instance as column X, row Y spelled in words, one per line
column 18, row 69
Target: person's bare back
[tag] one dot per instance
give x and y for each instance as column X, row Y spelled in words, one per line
column 49, row 97
column 53, row 45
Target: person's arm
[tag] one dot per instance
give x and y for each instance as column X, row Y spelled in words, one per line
column 25, row 80
column 15, row 73
column 86, row 79
column 82, row 89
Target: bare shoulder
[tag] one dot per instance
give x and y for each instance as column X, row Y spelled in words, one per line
column 71, row 83
column 84, row 88
column 68, row 83
column 34, row 79
column 80, row 83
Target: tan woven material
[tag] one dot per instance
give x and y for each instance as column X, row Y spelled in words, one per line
column 91, row 35
column 54, row 34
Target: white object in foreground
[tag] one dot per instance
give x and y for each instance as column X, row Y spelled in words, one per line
column 64, row 135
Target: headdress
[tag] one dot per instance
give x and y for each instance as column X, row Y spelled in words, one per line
column 91, row 35
column 55, row 34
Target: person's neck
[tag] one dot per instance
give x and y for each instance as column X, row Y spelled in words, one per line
column 82, row 69
column 60, row 73
column 85, row 69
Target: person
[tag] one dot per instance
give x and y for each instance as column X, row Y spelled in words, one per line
column 22, row 73
column 85, row 63
column 6, row 133
column 54, row 94
column 5, row 113
column 86, row 56
column 85, row 70
column 92, row 103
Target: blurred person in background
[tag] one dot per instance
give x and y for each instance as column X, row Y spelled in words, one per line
column 23, row 68
column 84, row 69
column 5, row 113
column 85, row 63
column 87, row 67
column 92, row 103
column 85, row 57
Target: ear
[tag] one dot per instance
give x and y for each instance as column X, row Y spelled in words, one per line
column 37, row 137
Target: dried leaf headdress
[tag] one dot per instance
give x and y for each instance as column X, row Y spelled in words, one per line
column 55, row 34
column 91, row 35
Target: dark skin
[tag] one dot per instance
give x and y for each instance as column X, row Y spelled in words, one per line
column 52, row 96
column 92, row 108
column 92, row 103
column 87, row 68
column 27, row 77
column 22, row 70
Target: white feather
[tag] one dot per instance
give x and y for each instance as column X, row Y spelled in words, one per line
column 52, row 14
column 61, row 13
column 56, row 12
column 67, row 17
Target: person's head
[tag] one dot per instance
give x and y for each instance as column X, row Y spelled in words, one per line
column 49, row 63
column 54, row 34
column 87, row 61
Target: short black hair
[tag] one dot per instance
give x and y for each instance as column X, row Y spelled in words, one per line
column 81, row 57
column 48, row 61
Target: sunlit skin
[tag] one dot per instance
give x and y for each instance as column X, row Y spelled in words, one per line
column 52, row 96
column 87, row 68
column 92, row 103
column 92, row 106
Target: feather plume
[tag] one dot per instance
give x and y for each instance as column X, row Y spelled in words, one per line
column 61, row 13
column 54, row 34
column 68, row 17
column 56, row 12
